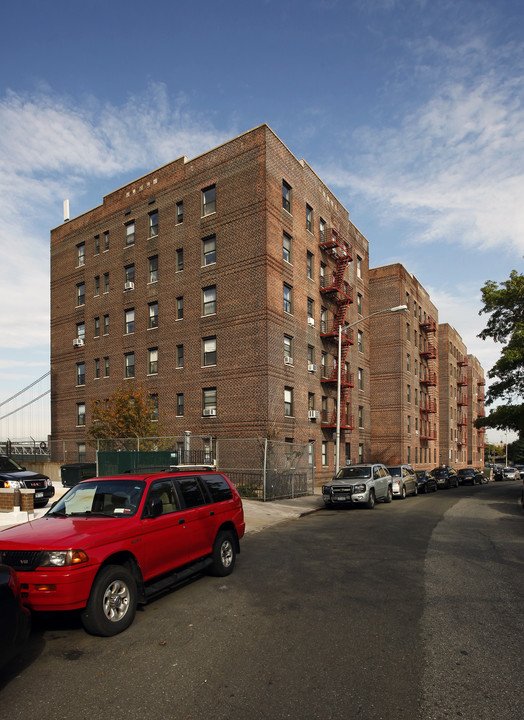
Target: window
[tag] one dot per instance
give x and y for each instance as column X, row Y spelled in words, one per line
column 309, row 218
column 408, row 331
column 408, row 363
column 360, row 452
column 360, row 379
column 360, row 416
column 408, row 393
column 359, row 303
column 360, row 341
column 180, row 356
column 97, row 285
column 407, row 300
column 154, row 407
column 209, row 200
column 324, row 453
column 80, row 254
column 288, row 298
column 309, row 265
column 359, row 267
column 179, row 212
column 96, row 245
column 129, row 321
column 152, row 269
column 310, row 355
column 323, row 319
column 209, row 351
column 286, row 196
column 179, row 308
column 106, row 240
column 106, row 282
column 153, row 223
column 106, row 367
column 179, row 259
column 130, row 233
column 180, row 404
column 106, row 324
column 288, row 402
column 310, row 311
column 409, row 424
column 310, row 401
column 80, row 414
column 286, row 246
column 129, row 276
column 81, row 373
column 209, row 401
column 288, row 347
column 209, row 250
column 97, row 368
column 129, row 365
column 153, row 315
column 322, row 229
column 81, row 330
column 191, row 492
column 80, row 294
column 152, row 361
column 97, row 327
column 209, row 300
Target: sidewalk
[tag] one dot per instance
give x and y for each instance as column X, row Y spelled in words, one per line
column 258, row 515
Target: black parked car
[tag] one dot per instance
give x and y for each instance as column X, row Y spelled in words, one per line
column 426, row 482
column 13, row 475
column 15, row 619
column 469, row 476
column 445, row 476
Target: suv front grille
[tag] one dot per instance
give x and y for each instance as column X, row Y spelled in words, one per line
column 21, row 560
column 35, row 484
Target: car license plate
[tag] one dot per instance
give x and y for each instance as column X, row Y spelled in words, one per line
column 40, row 494
column 341, row 498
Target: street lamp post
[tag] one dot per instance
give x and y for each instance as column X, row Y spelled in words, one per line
column 396, row 309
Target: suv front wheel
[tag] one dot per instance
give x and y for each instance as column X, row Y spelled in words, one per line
column 112, row 602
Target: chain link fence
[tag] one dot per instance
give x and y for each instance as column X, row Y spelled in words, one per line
column 261, row 469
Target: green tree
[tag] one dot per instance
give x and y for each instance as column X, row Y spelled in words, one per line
column 127, row 413
column 504, row 303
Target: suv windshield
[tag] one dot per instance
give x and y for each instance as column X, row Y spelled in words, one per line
column 101, row 498
column 350, row 473
column 8, row 465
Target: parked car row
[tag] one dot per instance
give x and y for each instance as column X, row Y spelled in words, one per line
column 367, row 483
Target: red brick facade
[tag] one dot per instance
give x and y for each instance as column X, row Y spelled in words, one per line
column 213, row 247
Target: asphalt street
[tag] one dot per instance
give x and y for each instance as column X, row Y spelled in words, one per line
column 410, row 610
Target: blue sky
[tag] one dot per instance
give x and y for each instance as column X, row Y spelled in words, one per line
column 410, row 110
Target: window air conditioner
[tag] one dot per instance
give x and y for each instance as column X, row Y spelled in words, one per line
column 78, row 342
column 129, row 285
column 288, row 360
column 311, row 367
column 210, row 411
column 313, row 414
column 311, row 321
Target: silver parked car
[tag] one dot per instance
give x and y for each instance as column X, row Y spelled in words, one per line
column 362, row 484
column 404, row 480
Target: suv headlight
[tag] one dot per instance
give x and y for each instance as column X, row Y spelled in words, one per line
column 63, row 558
column 359, row 488
column 14, row 484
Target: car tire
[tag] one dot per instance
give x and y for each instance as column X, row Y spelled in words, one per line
column 224, row 554
column 403, row 493
column 370, row 504
column 112, row 602
column 389, row 495
column 435, row 488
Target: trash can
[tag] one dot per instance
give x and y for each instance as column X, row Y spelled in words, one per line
column 73, row 473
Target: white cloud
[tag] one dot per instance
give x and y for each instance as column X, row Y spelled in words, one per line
column 453, row 166
column 51, row 149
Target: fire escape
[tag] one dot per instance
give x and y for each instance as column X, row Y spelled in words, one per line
column 462, row 401
column 481, row 413
column 340, row 293
column 428, row 354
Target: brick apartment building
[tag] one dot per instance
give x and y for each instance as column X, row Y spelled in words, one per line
column 404, row 370
column 476, row 397
column 217, row 283
column 461, row 401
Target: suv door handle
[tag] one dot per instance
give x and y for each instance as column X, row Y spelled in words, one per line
column 181, row 521
column 211, row 512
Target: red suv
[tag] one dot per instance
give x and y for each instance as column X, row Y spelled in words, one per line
column 111, row 543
